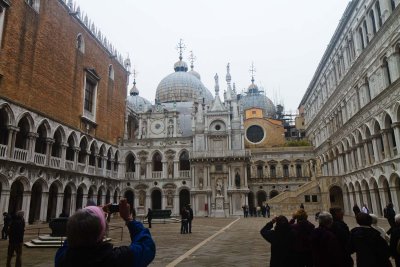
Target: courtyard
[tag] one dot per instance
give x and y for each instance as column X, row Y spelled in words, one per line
column 214, row 242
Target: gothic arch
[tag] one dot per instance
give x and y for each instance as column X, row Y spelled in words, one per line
column 61, row 130
column 10, row 114
column 46, row 124
column 29, row 118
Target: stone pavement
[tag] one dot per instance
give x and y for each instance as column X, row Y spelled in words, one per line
column 209, row 244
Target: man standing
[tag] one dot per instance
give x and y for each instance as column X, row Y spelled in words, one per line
column 389, row 214
column 149, row 216
column 190, row 218
column 356, row 209
column 16, row 238
column 7, row 221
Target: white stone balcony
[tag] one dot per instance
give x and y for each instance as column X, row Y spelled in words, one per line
column 20, row 154
column 81, row 167
column 220, row 154
column 39, row 159
column 55, row 162
column 3, row 151
column 91, row 169
column 130, row 175
column 184, row 174
column 156, row 175
column 69, row 165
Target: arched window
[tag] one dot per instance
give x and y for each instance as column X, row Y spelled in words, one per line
column 285, row 171
column 259, row 171
column 184, row 163
column 56, row 147
column 21, row 140
column 116, row 163
column 130, row 163
column 366, row 31
column 3, row 126
column 92, row 156
column 80, row 44
column 157, row 164
column 361, row 36
column 272, row 170
column 386, row 72
column 378, row 9
column 83, row 151
column 299, row 172
column 70, row 149
column 111, row 72
column 372, row 17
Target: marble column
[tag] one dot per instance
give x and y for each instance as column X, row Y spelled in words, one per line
column 385, row 141
column 375, row 147
column 26, row 203
column 12, row 134
column 394, row 65
column 396, row 129
column 43, row 206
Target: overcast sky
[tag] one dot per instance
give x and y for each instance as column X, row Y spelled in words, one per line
column 284, row 39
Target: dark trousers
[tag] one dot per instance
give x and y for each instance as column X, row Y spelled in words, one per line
column 17, row 247
column 4, row 233
column 184, row 226
column 190, row 226
column 149, row 221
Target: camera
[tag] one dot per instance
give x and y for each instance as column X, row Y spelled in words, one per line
column 114, row 208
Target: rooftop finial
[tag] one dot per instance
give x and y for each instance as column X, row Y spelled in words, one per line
column 252, row 71
column 192, row 59
column 216, row 84
column 135, row 73
column 180, row 47
column 228, row 75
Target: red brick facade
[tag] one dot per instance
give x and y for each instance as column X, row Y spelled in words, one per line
column 42, row 70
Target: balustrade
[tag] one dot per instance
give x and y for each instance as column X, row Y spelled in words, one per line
column 91, row 169
column 55, row 162
column 39, row 159
column 130, row 175
column 156, row 175
column 81, row 167
column 184, row 174
column 3, row 151
column 20, row 154
column 69, row 165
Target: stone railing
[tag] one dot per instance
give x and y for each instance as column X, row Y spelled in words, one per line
column 99, row 171
column 156, row 175
column 108, row 173
column 69, row 165
column 39, row 159
column 289, row 194
column 81, row 167
column 184, row 174
column 220, row 154
column 3, row 151
column 130, row 175
column 91, row 169
column 20, row 154
column 55, row 162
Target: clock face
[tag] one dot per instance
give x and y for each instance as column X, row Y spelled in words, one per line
column 157, row 127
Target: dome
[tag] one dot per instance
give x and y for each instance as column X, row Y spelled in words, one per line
column 254, row 98
column 195, row 74
column 136, row 102
column 182, row 86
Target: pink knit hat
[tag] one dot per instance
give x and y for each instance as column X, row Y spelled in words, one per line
column 98, row 212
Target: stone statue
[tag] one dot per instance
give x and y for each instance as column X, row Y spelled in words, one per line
column 142, row 198
column 170, row 199
column 218, row 188
column 170, row 130
column 170, row 168
column 237, row 179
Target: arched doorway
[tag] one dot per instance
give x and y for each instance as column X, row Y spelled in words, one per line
column 100, row 197
column 336, row 197
column 16, row 197
column 273, row 194
column 250, row 198
column 90, row 195
column 67, row 200
column 115, row 198
column 36, row 202
column 108, row 197
column 261, row 198
column 156, row 200
column 79, row 198
column 52, row 203
column 130, row 198
column 184, row 199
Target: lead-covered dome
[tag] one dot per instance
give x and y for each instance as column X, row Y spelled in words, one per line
column 182, row 86
column 255, row 98
column 136, row 102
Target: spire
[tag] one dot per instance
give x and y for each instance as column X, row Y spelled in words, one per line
column 180, row 47
column 228, row 81
column 234, row 89
column 216, row 84
column 134, row 90
column 192, row 59
column 252, row 71
column 228, row 75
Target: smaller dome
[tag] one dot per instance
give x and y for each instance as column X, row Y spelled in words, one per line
column 134, row 90
column 137, row 102
column 252, row 89
column 180, row 66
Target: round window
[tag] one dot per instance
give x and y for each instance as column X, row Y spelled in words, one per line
column 217, row 127
column 255, row 133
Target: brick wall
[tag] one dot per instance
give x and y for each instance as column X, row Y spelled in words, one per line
column 44, row 71
column 274, row 133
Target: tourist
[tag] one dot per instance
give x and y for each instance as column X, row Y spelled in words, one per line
column 281, row 239
column 370, row 248
column 264, row 210
column 149, row 216
column 326, row 249
column 356, row 209
column 342, row 233
column 365, row 209
column 7, row 221
column 258, row 211
column 302, row 206
column 302, row 244
column 85, row 245
column 378, row 228
column 16, row 238
column 268, row 209
column 184, row 220
column 190, row 211
column 389, row 214
column 394, row 240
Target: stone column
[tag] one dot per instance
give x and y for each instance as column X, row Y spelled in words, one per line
column 395, row 199
column 4, row 200
column 72, row 207
column 396, row 129
column 31, row 146
column 60, row 203
column 375, row 147
column 149, row 170
column 164, row 174
column 385, row 141
column 374, row 203
column 26, row 203
column 12, row 134
column 366, row 153
column 176, row 169
column 64, row 147
column 49, row 149
column 84, row 200
column 347, row 209
column 394, row 65
column 76, row 156
column 382, row 195
column 43, row 206
column 137, row 170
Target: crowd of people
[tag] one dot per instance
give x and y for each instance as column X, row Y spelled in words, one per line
column 332, row 243
column 186, row 219
column 264, row 210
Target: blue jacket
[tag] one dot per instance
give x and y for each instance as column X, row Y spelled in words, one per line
column 139, row 253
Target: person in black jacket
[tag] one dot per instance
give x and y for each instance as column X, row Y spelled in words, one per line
column 371, row 249
column 184, row 220
column 16, row 238
column 7, row 221
column 394, row 240
column 190, row 218
column 281, row 239
column 389, row 214
column 149, row 216
column 85, row 246
column 340, row 229
column 356, row 209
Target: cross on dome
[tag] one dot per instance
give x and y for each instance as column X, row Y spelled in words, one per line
column 252, row 71
column 180, row 47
